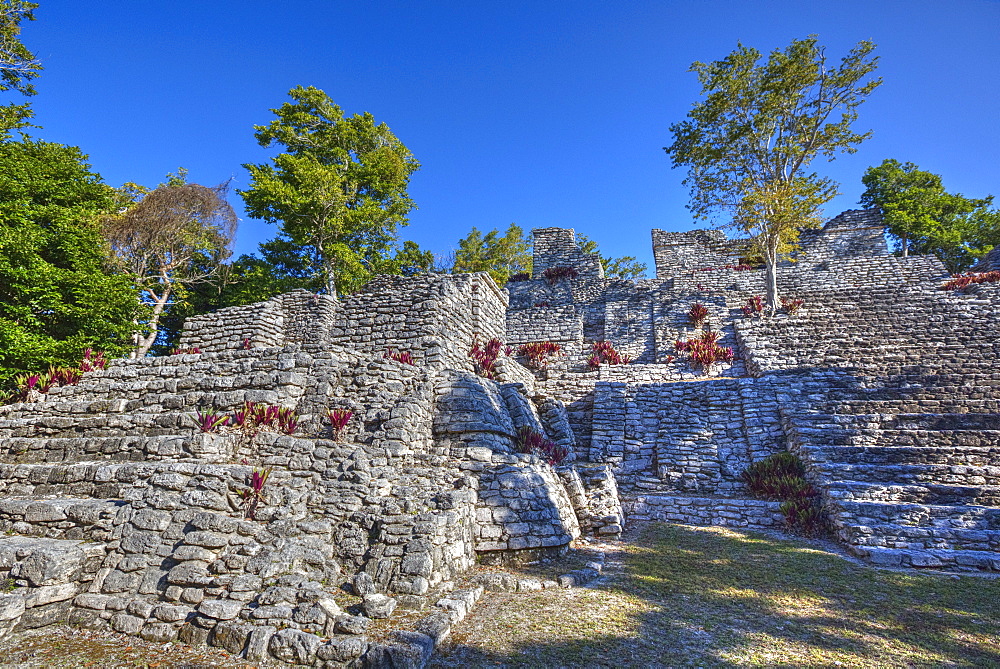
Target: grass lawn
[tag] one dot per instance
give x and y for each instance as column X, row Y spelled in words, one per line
column 684, row 596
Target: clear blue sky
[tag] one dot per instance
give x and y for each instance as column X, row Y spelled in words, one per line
column 543, row 113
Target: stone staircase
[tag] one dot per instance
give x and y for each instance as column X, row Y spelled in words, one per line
column 892, row 400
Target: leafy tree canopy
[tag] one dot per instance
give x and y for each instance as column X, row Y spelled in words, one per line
column 500, row 255
column 339, row 186
column 18, row 66
column 57, row 296
column 176, row 235
column 923, row 217
column 625, row 267
column 748, row 145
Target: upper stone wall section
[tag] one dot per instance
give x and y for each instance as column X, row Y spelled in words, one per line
column 853, row 233
column 434, row 317
column 989, row 263
column 557, row 247
column 677, row 252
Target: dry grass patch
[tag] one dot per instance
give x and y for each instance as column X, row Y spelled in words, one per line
column 678, row 596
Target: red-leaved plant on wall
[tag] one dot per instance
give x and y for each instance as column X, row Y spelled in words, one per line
column 185, row 351
column 697, row 314
column 556, row 274
column 339, row 418
column 753, row 307
column 254, row 495
column 705, row 350
column 539, row 352
column 603, row 352
column 399, row 356
column 29, row 387
column 485, row 357
column 969, row 278
column 210, row 420
column 791, row 305
column 528, row 440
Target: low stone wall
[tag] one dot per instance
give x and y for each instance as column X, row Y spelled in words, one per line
column 738, row 513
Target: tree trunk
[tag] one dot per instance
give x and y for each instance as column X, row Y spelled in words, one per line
column 905, row 245
column 144, row 343
column 771, row 280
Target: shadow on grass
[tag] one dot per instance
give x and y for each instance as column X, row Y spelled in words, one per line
column 711, row 596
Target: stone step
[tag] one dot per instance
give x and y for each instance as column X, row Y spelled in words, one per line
column 973, row 456
column 102, row 480
column 920, row 538
column 960, row 495
column 62, row 518
column 917, row 515
column 932, row 439
column 918, row 474
column 822, row 423
column 198, row 446
column 48, row 574
column 959, row 560
column 701, row 510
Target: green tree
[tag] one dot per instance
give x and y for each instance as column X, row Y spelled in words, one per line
column 625, row 267
column 749, row 143
column 57, row 295
column 176, row 235
column 339, row 186
column 923, row 217
column 18, row 66
column 500, row 255
column 279, row 266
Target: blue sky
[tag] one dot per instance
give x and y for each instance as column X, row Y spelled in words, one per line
column 543, row 113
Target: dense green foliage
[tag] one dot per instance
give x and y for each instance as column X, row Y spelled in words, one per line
column 924, row 218
column 749, row 143
column 500, row 255
column 339, row 186
column 625, row 267
column 18, row 66
column 56, row 295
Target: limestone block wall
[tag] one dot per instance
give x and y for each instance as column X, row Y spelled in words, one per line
column 522, row 505
column 989, row 263
column 679, row 252
column 556, row 247
column 545, row 323
column 855, row 232
column 434, row 317
column 695, row 438
column 263, row 323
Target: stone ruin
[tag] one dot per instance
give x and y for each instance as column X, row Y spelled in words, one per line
column 119, row 513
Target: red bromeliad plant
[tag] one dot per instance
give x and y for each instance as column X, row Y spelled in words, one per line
column 246, row 344
column 530, row 441
column 254, row 495
column 93, row 361
column 519, row 276
column 754, row 306
column 604, row 352
column 252, row 417
column 339, row 418
column 791, row 305
column 288, row 421
column 697, row 314
column 485, row 357
column 539, row 352
column 185, row 351
column 30, row 386
column 399, row 356
column 556, row 274
column 705, row 350
column 210, row 420
column 959, row 281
